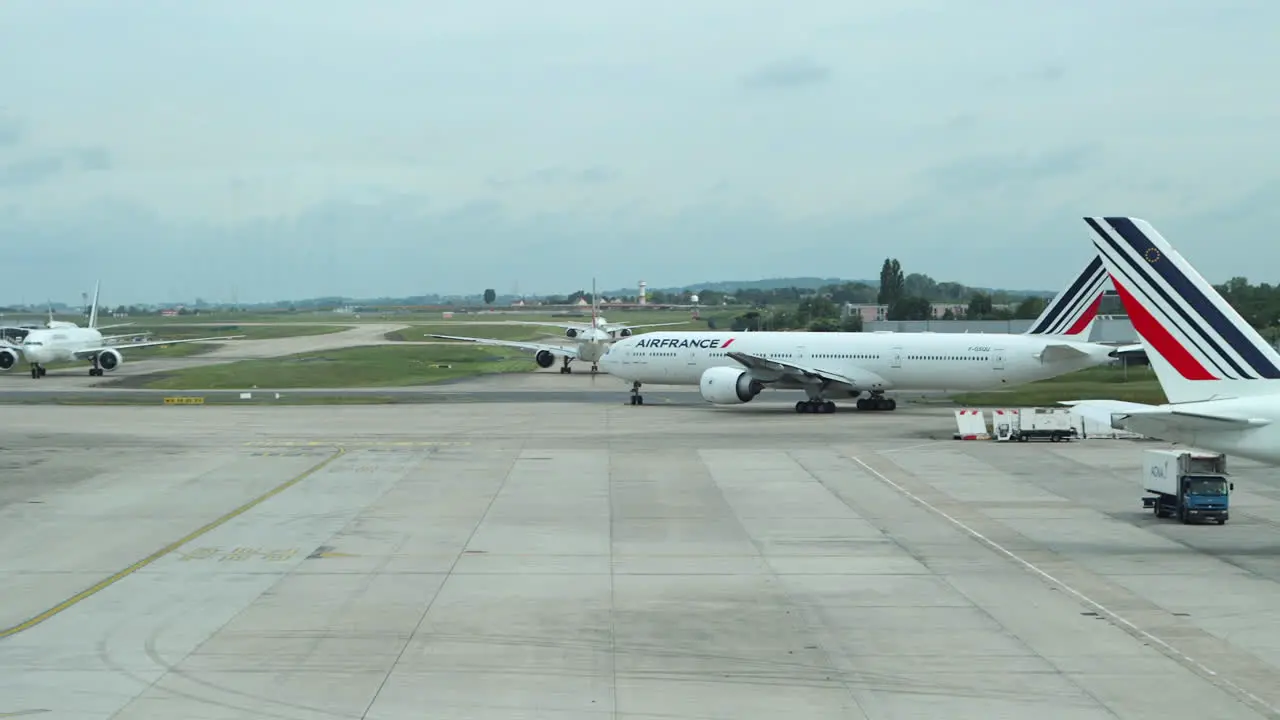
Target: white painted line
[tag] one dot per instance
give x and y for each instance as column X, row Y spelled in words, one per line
column 1130, row 627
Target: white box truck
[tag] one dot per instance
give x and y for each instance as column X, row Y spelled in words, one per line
column 1045, row 423
column 1189, row 484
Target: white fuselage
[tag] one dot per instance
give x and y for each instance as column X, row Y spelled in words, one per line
column 592, row 344
column 927, row 362
column 46, row 346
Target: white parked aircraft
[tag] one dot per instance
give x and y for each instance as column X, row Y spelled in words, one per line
column 591, row 339
column 65, row 342
column 1221, row 379
column 733, row 368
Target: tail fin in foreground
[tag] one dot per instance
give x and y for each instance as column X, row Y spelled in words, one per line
column 1199, row 346
column 1072, row 312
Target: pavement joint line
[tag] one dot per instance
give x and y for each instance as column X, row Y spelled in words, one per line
column 167, row 549
column 1129, row 627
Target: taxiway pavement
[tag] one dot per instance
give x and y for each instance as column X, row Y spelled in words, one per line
column 585, row 561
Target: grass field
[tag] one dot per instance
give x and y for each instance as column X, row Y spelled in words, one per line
column 1101, row 383
column 380, row 366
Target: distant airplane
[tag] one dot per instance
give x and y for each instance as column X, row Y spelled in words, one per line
column 592, row 339
column 1220, row 377
column 65, row 342
column 733, row 368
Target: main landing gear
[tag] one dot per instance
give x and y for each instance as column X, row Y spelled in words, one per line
column 96, row 370
column 636, row 397
column 565, row 369
column 877, row 401
column 815, row 406
column 38, row 372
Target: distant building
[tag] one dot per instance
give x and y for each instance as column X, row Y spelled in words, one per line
column 939, row 310
column 868, row 313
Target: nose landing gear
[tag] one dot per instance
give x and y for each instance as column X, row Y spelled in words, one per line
column 636, row 397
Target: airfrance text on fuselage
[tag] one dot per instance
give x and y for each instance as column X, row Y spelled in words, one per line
column 705, row 343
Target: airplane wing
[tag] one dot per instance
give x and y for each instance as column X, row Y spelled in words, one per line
column 531, row 347
column 90, row 352
column 648, row 325
column 771, row 371
column 1154, row 420
column 536, row 323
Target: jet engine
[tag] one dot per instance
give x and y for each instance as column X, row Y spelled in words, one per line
column 8, row 359
column 571, row 332
column 109, row 359
column 625, row 332
column 728, row 386
column 544, row 359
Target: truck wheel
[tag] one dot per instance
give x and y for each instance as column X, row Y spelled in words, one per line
column 1222, row 521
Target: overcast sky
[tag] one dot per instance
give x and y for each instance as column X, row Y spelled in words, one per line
column 290, row 149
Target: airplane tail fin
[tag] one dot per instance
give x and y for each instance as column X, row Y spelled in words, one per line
column 1073, row 311
column 595, row 306
column 92, row 309
column 1199, row 346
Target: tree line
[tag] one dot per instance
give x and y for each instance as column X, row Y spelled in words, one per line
column 905, row 297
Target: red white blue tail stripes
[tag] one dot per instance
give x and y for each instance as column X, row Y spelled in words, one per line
column 1175, row 310
column 1074, row 308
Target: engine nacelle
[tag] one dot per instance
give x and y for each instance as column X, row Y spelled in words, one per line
column 544, row 358
column 109, row 360
column 571, row 332
column 728, row 386
column 8, row 359
column 625, row 332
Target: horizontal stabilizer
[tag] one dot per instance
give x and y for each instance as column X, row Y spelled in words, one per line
column 1153, row 420
column 1060, row 352
column 1129, row 351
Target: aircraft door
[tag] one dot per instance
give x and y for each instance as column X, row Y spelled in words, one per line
column 997, row 358
column 895, row 357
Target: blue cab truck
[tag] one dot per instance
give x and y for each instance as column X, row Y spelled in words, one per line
column 1190, row 485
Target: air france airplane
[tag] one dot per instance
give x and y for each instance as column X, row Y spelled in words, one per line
column 590, row 340
column 66, row 342
column 1221, row 379
column 733, row 368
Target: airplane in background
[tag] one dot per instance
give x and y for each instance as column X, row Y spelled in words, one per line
column 65, row 342
column 591, row 339
column 1220, row 378
column 733, row 368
